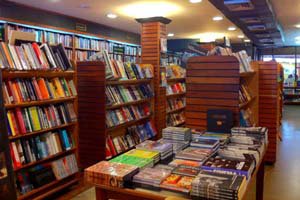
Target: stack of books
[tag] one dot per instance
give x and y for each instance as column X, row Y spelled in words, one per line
column 195, row 154
column 117, row 70
column 163, row 148
column 203, row 142
column 139, row 162
column 124, row 94
column 177, row 133
column 154, row 156
column 178, row 183
column 110, row 174
column 222, row 137
column 177, row 145
column 126, row 114
column 25, row 151
column 182, row 162
column 151, row 177
column 36, row 89
column 35, row 118
column 260, row 133
column 211, row 185
column 176, row 88
column 185, row 170
column 33, row 57
column 134, row 135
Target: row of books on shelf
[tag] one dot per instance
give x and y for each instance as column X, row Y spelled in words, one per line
column 126, row 114
column 25, row 151
column 83, row 55
column 174, row 119
column 37, row 89
column 210, row 170
column 36, row 118
column 134, row 136
column 123, row 94
column 116, row 69
column 246, row 118
column 41, row 175
column 244, row 94
column 176, row 88
column 176, row 103
column 242, row 57
column 33, row 57
column 175, row 71
column 57, row 38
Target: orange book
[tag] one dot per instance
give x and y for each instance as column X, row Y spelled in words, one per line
column 43, row 88
column 58, row 87
column 14, row 92
column 8, row 55
column 37, row 89
column 18, row 90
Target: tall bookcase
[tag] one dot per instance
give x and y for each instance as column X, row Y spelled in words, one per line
column 79, row 46
column 92, row 111
column 50, row 188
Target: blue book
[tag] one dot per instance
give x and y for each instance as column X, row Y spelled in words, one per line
column 65, row 139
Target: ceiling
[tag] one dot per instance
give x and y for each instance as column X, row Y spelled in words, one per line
column 188, row 20
column 288, row 15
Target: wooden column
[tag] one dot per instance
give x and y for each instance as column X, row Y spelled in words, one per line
column 153, row 29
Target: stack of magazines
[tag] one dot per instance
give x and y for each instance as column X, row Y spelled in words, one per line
column 195, row 154
column 203, row 142
column 163, row 148
column 211, row 185
column 177, row 133
column 133, row 160
column 144, row 154
column 177, row 145
column 151, row 177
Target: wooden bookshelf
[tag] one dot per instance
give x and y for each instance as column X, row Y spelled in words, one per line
column 212, row 83
column 176, row 110
column 55, row 186
column 92, row 111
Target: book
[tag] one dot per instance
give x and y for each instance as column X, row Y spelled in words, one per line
column 177, row 183
column 151, row 176
column 133, row 160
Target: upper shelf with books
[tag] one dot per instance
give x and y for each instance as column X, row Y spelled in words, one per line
column 36, row 73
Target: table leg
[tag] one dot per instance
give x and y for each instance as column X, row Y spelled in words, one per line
column 101, row 194
column 260, row 181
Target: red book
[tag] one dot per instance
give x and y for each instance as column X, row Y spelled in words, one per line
column 20, row 121
column 38, row 53
column 13, row 91
column 111, row 146
column 108, row 154
column 124, row 114
column 37, row 89
column 146, row 109
column 15, row 155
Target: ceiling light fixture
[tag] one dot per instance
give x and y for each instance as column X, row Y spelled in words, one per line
column 171, row 34
column 231, row 28
column 111, row 16
column 208, row 37
column 195, row 1
column 241, row 36
column 297, row 38
column 217, row 18
column 247, row 40
column 297, row 25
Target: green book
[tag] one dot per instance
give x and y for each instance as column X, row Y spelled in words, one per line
column 132, row 160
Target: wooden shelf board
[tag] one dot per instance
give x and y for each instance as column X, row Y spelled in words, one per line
column 247, row 74
column 175, row 79
column 127, row 82
column 127, row 124
column 36, row 73
column 246, row 104
column 37, row 103
column 291, row 95
column 65, row 182
column 127, row 104
column 291, row 103
column 291, row 87
column 41, row 131
column 176, row 110
column 44, row 160
column 176, row 94
column 84, row 49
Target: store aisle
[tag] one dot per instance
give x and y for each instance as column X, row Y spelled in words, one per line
column 282, row 181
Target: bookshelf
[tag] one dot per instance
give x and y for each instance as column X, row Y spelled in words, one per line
column 269, row 104
column 35, row 142
column 95, row 134
column 79, row 46
column 213, row 82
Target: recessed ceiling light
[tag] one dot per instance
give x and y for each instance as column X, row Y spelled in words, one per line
column 241, row 36
column 297, row 25
column 217, row 18
column 247, row 40
column 297, row 38
column 195, row 1
column 231, row 28
column 171, row 34
column 208, row 37
column 111, row 16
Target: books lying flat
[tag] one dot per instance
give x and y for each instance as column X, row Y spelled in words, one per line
column 186, row 170
column 165, row 149
column 223, row 165
column 133, row 160
column 110, row 173
column 191, row 163
column 144, row 154
column 177, row 183
column 177, row 145
column 177, row 133
column 151, row 176
column 222, row 137
column 195, row 154
column 256, row 132
column 213, row 185
column 205, row 143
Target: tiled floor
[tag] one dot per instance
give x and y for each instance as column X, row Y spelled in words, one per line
column 282, row 181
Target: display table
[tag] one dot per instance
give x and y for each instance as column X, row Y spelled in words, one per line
column 105, row 192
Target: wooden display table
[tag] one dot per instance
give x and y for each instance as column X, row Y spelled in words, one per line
column 105, row 192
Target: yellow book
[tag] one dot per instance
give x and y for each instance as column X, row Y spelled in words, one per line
column 53, row 91
column 10, row 121
column 35, row 118
column 142, row 154
column 58, row 87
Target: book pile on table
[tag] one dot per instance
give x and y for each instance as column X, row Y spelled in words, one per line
column 163, row 148
column 151, row 176
column 207, row 143
column 177, row 145
column 110, row 173
column 177, row 133
column 133, row 160
column 211, row 185
column 195, row 154
column 182, row 162
column 250, row 135
column 144, row 154
column 177, row 183
column 222, row 137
